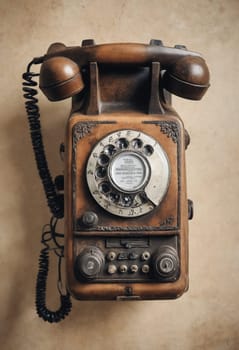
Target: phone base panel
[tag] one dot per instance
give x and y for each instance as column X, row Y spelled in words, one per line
column 166, row 222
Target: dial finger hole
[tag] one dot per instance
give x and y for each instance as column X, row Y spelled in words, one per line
column 137, row 143
column 101, row 172
column 103, row 160
column 104, row 187
column 109, row 150
column 127, row 200
column 122, row 143
column 114, row 197
column 148, row 150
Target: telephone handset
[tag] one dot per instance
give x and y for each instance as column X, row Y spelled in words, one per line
column 186, row 73
column 126, row 210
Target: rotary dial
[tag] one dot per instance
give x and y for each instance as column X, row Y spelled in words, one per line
column 128, row 173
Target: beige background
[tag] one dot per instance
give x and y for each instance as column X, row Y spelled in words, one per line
column 207, row 316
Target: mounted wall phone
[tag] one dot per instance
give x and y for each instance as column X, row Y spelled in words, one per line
column 126, row 209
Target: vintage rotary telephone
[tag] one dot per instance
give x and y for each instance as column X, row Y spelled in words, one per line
column 124, row 187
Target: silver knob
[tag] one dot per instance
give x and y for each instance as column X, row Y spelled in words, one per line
column 166, row 262
column 90, row 262
column 112, row 269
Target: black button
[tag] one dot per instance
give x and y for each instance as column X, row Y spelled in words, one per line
column 123, row 256
column 181, row 47
column 190, row 209
column 133, row 256
column 156, row 42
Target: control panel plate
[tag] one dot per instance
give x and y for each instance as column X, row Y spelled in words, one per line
column 129, row 259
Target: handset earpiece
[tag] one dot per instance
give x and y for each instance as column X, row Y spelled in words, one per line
column 188, row 77
column 60, row 78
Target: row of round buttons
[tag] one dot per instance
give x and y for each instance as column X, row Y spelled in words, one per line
column 124, row 268
column 165, row 263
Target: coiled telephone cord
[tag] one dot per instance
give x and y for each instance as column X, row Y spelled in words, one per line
column 54, row 200
column 55, row 203
column 42, row 310
column 65, row 301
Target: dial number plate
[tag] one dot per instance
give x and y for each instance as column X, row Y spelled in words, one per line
column 128, row 173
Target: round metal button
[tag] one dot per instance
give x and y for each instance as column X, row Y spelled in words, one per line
column 123, row 268
column 111, row 256
column 145, row 255
column 111, row 269
column 89, row 219
column 90, row 262
column 134, row 268
column 145, row 268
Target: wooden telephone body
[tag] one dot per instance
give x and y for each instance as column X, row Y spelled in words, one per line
column 126, row 206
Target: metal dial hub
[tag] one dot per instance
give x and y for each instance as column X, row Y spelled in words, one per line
column 128, row 171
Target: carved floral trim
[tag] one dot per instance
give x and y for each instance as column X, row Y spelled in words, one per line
column 170, row 129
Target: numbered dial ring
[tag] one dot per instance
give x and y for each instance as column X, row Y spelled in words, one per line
column 128, row 173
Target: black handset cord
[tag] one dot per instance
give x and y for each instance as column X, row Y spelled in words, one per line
column 49, row 236
column 55, row 203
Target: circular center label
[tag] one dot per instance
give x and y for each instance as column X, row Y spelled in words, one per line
column 128, row 171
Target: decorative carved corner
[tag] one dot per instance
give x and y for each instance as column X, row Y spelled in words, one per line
column 170, row 129
column 82, row 129
column 79, row 131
